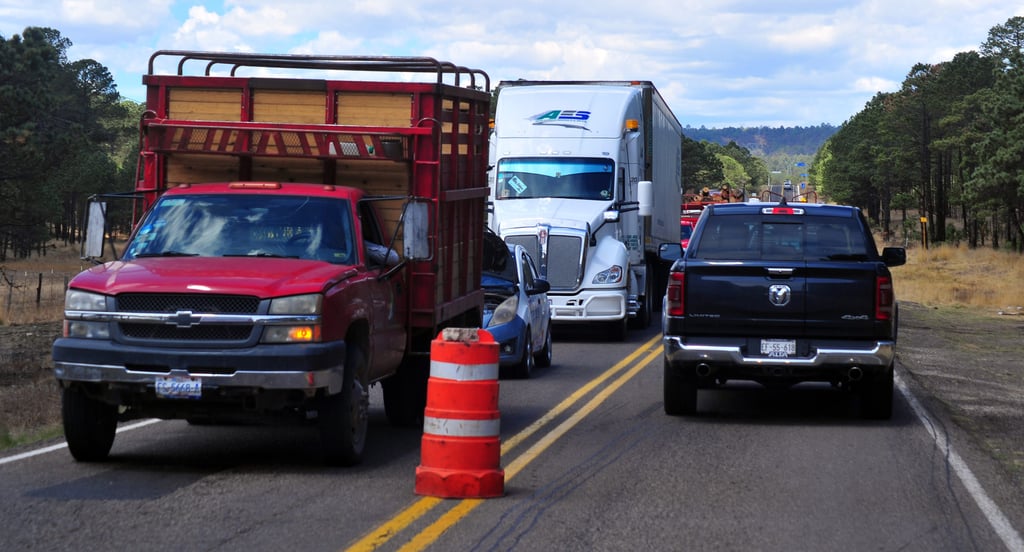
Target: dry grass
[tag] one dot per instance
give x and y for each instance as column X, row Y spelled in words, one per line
column 32, row 290
column 978, row 279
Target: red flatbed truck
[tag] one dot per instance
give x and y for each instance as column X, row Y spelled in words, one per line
column 249, row 288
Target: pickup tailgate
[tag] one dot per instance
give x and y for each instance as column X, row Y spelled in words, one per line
column 780, row 300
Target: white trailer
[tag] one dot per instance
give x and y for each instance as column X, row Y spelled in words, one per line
column 587, row 175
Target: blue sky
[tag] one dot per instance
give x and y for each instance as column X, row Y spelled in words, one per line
column 717, row 63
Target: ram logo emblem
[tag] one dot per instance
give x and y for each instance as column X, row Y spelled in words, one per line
column 779, row 295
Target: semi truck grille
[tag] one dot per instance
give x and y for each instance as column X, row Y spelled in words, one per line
column 563, row 267
column 155, row 302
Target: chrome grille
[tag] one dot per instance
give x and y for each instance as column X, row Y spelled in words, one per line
column 195, row 303
column 565, row 262
column 563, row 265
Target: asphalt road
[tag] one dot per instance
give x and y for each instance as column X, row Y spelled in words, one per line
column 591, row 463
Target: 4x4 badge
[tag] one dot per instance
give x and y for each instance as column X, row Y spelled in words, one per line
column 778, row 295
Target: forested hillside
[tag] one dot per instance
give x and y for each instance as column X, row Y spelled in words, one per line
column 767, row 141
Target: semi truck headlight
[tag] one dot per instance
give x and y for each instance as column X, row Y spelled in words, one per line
column 611, row 275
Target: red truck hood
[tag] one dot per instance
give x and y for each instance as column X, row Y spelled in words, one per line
column 260, row 277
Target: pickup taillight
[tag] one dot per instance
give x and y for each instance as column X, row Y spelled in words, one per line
column 884, row 298
column 674, row 294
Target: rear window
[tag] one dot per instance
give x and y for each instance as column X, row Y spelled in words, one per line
column 773, row 237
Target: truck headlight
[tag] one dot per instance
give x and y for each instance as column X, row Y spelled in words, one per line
column 303, row 332
column 611, row 275
column 297, row 304
column 78, row 300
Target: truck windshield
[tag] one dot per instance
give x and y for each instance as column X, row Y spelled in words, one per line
column 209, row 225
column 569, row 177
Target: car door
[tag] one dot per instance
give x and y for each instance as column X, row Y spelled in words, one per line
column 539, row 307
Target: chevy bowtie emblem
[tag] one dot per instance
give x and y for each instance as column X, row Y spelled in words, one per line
column 184, row 319
column 778, row 295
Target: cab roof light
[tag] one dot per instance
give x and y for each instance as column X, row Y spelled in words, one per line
column 632, row 125
column 255, row 185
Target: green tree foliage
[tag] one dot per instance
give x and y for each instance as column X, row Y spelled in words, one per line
column 701, row 168
column 947, row 144
column 61, row 124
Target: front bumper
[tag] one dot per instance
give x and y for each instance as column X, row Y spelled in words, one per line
column 589, row 306
column 309, row 366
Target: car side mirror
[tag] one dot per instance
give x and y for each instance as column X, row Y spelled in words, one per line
column 539, row 286
column 670, row 252
column 894, row 256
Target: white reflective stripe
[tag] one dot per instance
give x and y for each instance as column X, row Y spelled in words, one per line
column 463, row 372
column 461, row 428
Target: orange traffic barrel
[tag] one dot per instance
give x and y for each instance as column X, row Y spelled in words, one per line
column 461, row 448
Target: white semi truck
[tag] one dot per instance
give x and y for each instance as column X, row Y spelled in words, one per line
column 587, row 175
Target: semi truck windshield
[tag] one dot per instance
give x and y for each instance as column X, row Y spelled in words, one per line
column 569, row 178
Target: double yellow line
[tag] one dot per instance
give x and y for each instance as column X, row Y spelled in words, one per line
column 390, row 529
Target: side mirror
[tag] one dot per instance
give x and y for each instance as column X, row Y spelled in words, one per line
column 415, row 239
column 894, row 256
column 539, row 286
column 95, row 229
column 670, row 252
column 645, row 197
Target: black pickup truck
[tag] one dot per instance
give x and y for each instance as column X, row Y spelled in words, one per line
column 780, row 294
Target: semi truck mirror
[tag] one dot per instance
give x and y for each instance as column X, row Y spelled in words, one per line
column 645, row 197
column 415, row 241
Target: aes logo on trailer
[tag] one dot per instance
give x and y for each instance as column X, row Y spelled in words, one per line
column 569, row 118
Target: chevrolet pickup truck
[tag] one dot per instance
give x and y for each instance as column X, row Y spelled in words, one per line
column 780, row 294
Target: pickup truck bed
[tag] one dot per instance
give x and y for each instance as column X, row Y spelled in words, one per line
column 779, row 295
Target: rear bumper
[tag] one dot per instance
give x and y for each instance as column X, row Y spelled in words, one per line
column 823, row 363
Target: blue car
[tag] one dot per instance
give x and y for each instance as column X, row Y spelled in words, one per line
column 516, row 308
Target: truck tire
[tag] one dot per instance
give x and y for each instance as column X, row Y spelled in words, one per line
column 343, row 417
column 405, row 393
column 544, row 355
column 876, row 397
column 89, row 425
column 524, row 368
column 680, row 392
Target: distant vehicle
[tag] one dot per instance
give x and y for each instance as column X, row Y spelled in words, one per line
column 516, row 307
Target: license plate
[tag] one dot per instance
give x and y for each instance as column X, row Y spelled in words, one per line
column 778, row 348
column 177, row 387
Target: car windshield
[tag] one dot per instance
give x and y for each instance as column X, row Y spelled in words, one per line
column 570, row 178
column 213, row 225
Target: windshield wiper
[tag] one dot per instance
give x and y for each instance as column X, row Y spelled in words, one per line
column 168, row 253
column 261, row 254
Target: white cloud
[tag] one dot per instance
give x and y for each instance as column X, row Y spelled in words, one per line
column 728, row 62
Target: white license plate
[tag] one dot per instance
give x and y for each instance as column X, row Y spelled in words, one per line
column 778, row 348
column 177, row 387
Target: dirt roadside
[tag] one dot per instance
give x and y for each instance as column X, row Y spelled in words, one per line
column 965, row 367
